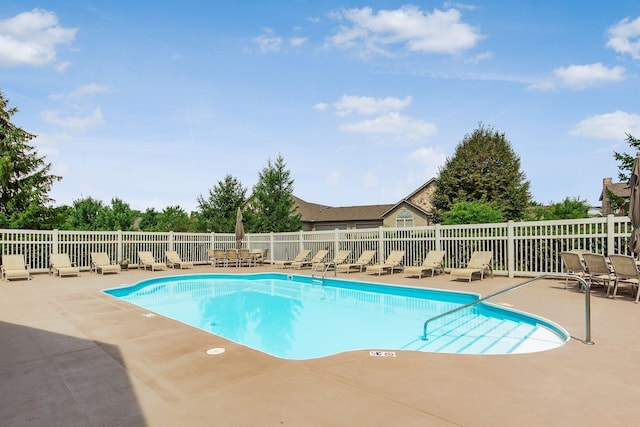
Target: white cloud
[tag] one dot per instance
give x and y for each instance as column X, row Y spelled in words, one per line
column 76, row 123
column 268, row 44
column 82, row 91
column 624, row 37
column 417, row 31
column 297, row 41
column 368, row 106
column 394, row 124
column 31, row 38
column 321, row 106
column 333, row 179
column 430, row 160
column 581, row 76
column 612, row 126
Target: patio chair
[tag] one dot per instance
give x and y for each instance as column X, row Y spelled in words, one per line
column 259, row 256
column 366, row 257
column 574, row 264
column 216, row 257
column 147, row 260
column 174, row 260
column 598, row 270
column 393, row 262
column 60, row 265
column 340, row 258
column 13, row 267
column 626, row 271
column 244, row 257
column 479, row 263
column 100, row 263
column 302, row 255
column 317, row 259
column 432, row 262
column 231, row 258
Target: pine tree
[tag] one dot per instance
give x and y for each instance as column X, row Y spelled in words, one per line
column 484, row 168
column 218, row 212
column 272, row 203
column 25, row 178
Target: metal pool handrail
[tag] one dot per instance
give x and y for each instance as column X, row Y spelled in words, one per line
column 587, row 303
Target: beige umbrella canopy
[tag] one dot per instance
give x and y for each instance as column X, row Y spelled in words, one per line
column 634, row 205
column 239, row 229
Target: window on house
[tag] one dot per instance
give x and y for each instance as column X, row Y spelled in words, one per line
column 404, row 219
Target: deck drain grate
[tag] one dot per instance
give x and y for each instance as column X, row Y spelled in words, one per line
column 380, row 353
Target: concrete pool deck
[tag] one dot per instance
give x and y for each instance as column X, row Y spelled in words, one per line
column 73, row 356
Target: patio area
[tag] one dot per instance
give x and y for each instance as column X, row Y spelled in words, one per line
column 73, row 356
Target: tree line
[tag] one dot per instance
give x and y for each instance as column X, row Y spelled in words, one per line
column 481, row 183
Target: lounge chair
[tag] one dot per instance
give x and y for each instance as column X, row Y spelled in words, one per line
column 626, row 271
column 13, row 267
column 244, row 257
column 100, row 263
column 146, row 260
column 317, row 259
column 60, row 265
column 340, row 258
column 259, row 256
column 432, row 262
column 231, row 258
column 598, row 270
column 479, row 263
column 574, row 264
column 174, row 260
column 301, row 257
column 393, row 262
column 365, row 259
column 216, row 257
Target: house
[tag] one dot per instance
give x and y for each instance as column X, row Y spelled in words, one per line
column 413, row 210
column 621, row 193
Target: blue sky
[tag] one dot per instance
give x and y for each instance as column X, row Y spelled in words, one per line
column 155, row 102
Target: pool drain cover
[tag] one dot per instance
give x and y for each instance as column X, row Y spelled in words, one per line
column 379, row 353
column 214, row 351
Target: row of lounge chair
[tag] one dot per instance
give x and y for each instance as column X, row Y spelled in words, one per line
column 608, row 272
column 236, row 257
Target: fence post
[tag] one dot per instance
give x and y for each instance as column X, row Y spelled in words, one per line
column 271, row 247
column 119, row 249
column 170, row 244
column 611, row 229
column 55, row 241
column 380, row 245
column 336, row 242
column 511, row 257
column 438, row 237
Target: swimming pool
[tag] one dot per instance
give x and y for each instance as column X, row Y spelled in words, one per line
column 296, row 317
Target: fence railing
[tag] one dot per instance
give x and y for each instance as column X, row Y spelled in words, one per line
column 519, row 248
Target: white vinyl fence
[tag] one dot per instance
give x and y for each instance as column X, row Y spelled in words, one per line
column 519, row 248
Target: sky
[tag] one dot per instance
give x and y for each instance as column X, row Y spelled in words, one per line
column 155, row 102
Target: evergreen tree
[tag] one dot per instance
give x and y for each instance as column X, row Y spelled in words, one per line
column 272, row 205
column 626, row 160
column 484, row 168
column 218, row 212
column 25, row 178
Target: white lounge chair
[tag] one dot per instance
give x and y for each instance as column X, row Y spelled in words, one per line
column 13, row 267
column 100, row 263
column 479, row 263
column 364, row 260
column 60, row 265
column 174, row 260
column 147, row 260
column 317, row 259
column 393, row 262
column 432, row 262
column 301, row 257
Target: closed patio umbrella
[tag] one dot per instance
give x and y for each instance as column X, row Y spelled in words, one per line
column 634, row 205
column 239, row 229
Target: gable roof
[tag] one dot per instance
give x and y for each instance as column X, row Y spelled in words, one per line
column 407, row 199
column 620, row 189
column 312, row 212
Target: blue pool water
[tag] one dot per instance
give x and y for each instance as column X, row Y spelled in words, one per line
column 294, row 317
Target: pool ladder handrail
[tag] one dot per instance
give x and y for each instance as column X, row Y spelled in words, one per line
column 585, row 287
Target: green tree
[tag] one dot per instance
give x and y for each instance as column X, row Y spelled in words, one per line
column 473, row 213
column 484, row 168
column 118, row 216
column 25, row 178
column 626, row 160
column 271, row 202
column 218, row 212
column 569, row 208
column 173, row 218
column 149, row 220
column 84, row 214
